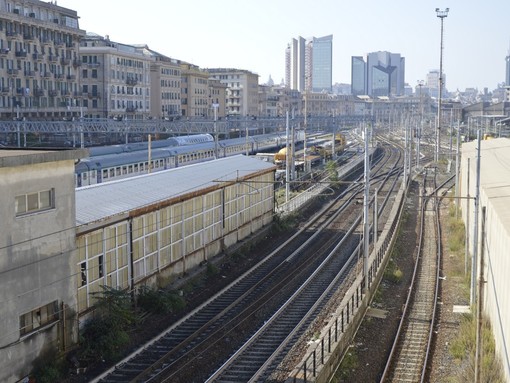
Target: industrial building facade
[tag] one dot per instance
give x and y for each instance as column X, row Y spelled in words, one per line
column 37, row 251
column 492, row 260
column 188, row 215
column 60, row 244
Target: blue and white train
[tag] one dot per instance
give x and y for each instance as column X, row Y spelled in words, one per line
column 109, row 163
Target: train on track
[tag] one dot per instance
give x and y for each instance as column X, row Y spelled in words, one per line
column 319, row 148
column 109, row 163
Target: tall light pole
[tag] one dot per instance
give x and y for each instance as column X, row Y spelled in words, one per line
column 441, row 14
column 420, row 127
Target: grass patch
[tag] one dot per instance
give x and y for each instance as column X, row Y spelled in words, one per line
column 463, row 350
column 392, row 272
column 350, row 363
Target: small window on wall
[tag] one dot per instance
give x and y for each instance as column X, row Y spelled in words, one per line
column 34, row 202
column 39, row 317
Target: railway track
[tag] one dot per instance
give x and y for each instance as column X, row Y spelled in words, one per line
column 410, row 352
column 188, row 344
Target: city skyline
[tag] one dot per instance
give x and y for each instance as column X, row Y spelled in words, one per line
column 219, row 34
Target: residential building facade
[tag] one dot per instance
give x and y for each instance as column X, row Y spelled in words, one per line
column 115, row 81
column 194, row 91
column 241, row 97
column 39, row 62
column 165, row 88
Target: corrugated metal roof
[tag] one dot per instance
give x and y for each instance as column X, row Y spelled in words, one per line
column 98, row 202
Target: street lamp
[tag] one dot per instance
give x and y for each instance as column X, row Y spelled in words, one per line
column 441, row 14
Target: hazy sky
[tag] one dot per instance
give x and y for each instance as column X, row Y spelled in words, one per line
column 253, row 34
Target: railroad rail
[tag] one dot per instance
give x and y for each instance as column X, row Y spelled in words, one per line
column 187, row 343
column 410, row 352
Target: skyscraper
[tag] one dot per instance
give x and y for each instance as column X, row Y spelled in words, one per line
column 309, row 64
column 507, row 77
column 322, row 63
column 378, row 74
column 358, row 76
column 295, row 64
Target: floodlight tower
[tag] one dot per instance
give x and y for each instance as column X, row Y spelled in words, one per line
column 441, row 14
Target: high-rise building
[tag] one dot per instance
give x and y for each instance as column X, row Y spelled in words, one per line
column 358, row 76
column 378, row 74
column 507, row 77
column 309, row 64
column 432, row 82
column 295, row 64
column 322, row 63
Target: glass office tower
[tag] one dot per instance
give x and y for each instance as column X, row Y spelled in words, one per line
column 322, row 64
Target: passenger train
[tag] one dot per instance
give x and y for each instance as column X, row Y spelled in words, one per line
column 109, row 163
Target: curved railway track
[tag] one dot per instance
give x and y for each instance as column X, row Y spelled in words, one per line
column 410, row 352
column 219, row 326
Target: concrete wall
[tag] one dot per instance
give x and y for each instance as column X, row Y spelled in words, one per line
column 495, row 197
column 36, row 264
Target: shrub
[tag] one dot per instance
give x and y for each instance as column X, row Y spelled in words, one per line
column 160, row 301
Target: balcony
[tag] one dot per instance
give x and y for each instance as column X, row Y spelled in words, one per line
column 46, row 74
column 76, row 63
column 93, row 95
column 93, row 65
column 38, row 56
column 60, row 43
column 53, row 58
column 130, row 109
column 53, row 93
column 59, row 76
column 29, row 73
column 66, row 93
column 12, row 72
column 4, row 90
column 21, row 53
column 4, row 51
column 45, row 40
column 29, row 36
column 38, row 93
column 65, row 61
column 11, row 35
column 131, row 81
column 71, row 77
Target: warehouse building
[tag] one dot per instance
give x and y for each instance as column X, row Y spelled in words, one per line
column 495, row 234
column 155, row 227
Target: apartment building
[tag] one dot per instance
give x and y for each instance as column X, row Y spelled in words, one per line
column 241, row 98
column 165, row 75
column 115, row 79
column 194, row 91
column 39, row 62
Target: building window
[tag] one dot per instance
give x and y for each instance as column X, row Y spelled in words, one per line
column 83, row 271
column 39, row 317
column 34, row 202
